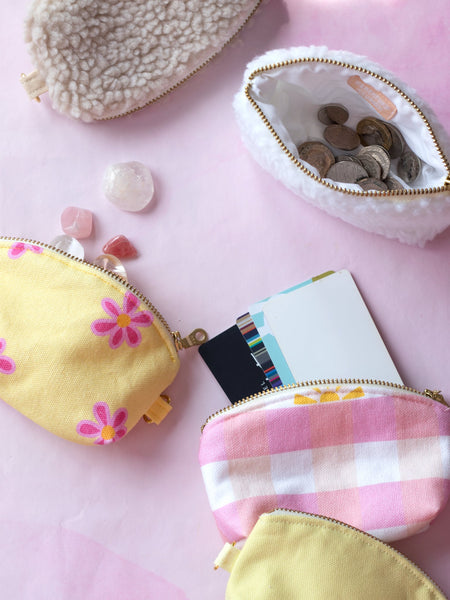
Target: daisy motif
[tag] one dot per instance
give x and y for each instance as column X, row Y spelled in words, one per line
column 124, row 322
column 328, row 395
column 7, row 365
column 107, row 429
column 18, row 249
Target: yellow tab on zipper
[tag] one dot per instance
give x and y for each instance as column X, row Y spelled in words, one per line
column 427, row 393
column 402, row 194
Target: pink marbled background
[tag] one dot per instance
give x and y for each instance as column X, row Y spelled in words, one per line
column 133, row 520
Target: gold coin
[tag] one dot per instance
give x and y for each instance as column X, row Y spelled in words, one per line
column 374, row 132
column 342, row 137
column 317, row 155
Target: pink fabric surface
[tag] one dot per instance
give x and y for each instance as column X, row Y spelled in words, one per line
column 220, row 234
column 385, row 476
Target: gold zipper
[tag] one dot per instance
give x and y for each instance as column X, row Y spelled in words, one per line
column 197, row 337
column 296, row 161
column 194, row 72
column 364, row 533
column 434, row 395
column 173, row 87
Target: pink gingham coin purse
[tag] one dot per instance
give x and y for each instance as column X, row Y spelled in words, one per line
column 373, row 455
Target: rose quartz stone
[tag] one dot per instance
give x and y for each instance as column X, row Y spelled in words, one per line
column 76, row 222
column 120, row 246
column 129, row 185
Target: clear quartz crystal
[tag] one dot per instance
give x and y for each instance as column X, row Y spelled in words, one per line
column 129, row 185
column 111, row 263
column 68, row 244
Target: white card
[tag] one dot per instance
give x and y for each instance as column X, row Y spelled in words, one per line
column 326, row 332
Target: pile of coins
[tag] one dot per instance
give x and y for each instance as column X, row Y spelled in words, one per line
column 368, row 166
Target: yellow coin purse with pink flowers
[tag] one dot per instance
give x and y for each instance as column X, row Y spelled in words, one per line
column 82, row 352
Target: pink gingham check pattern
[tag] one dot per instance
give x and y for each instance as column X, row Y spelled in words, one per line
column 379, row 462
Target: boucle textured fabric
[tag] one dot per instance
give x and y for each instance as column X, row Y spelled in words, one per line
column 103, row 58
column 290, row 95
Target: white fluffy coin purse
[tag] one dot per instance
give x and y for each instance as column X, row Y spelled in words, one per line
column 101, row 59
column 277, row 110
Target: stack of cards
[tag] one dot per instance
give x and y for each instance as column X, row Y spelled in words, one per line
column 318, row 329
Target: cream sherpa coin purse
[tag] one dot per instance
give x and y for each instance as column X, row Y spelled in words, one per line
column 277, row 110
column 101, row 59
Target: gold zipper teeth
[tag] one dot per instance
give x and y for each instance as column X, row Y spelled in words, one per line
column 364, row 533
column 190, row 75
column 117, row 278
column 316, row 382
column 296, row 161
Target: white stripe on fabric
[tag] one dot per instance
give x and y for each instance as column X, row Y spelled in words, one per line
column 218, row 484
column 292, row 472
column 377, row 462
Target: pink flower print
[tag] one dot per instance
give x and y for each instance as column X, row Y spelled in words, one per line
column 107, row 429
column 124, row 323
column 19, row 248
column 7, row 365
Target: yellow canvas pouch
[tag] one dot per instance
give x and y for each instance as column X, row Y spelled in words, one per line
column 82, row 352
column 291, row 555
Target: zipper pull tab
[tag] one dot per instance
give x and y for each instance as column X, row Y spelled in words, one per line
column 34, row 85
column 196, row 338
column 447, row 181
column 435, row 395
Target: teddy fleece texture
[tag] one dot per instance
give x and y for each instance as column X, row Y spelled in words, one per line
column 413, row 219
column 103, row 58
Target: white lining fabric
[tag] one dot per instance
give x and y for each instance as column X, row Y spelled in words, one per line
column 290, row 97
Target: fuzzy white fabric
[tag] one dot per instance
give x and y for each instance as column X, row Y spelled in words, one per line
column 290, row 97
column 103, row 58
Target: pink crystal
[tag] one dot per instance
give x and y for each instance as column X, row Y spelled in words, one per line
column 120, row 246
column 77, row 222
column 129, row 185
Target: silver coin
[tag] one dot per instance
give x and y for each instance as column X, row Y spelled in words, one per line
column 371, row 165
column 398, row 142
column 393, row 184
column 348, row 157
column 409, row 166
column 332, row 113
column 346, row 171
column 371, row 183
column 380, row 155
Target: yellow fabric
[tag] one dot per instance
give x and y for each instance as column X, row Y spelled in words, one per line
column 62, row 369
column 227, row 557
column 292, row 556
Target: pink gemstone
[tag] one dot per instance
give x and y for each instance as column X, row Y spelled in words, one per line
column 76, row 222
column 121, row 247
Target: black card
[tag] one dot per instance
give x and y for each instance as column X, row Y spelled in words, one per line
column 233, row 365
